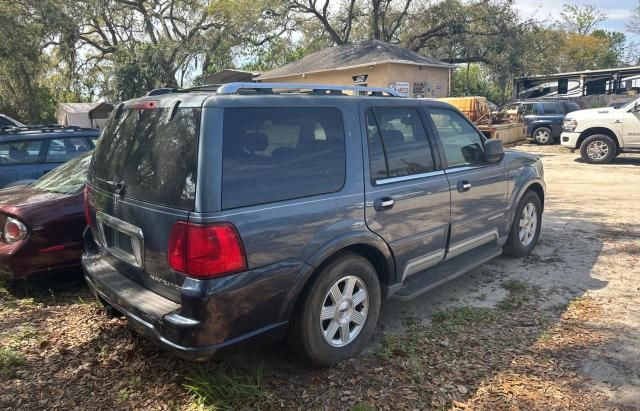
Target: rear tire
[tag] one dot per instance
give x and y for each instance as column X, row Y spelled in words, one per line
column 598, row 149
column 525, row 229
column 337, row 313
column 542, row 135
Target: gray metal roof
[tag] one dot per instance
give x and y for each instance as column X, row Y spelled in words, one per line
column 353, row 55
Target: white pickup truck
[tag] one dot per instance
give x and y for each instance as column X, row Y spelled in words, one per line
column 603, row 133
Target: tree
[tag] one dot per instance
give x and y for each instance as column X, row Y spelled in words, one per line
column 582, row 20
column 615, row 54
column 22, row 64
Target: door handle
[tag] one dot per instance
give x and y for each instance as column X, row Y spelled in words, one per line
column 383, row 203
column 463, row 186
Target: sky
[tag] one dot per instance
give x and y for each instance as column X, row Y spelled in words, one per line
column 618, row 11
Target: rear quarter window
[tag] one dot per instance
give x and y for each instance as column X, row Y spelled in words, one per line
column 552, row 108
column 275, row 154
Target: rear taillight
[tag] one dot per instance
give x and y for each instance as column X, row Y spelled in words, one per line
column 205, row 251
column 14, row 231
column 87, row 212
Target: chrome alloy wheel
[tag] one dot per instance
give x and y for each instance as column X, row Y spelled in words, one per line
column 597, row 150
column 344, row 311
column 541, row 136
column 528, row 224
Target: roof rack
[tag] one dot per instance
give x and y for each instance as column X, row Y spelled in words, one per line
column 42, row 128
column 280, row 88
column 269, row 88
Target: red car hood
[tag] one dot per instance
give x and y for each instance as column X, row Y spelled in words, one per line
column 21, row 200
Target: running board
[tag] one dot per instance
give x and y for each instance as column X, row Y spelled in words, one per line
column 429, row 279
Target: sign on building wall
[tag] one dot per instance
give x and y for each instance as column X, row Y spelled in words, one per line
column 402, row 87
column 360, row 78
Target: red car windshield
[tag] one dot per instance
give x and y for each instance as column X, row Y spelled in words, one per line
column 69, row 178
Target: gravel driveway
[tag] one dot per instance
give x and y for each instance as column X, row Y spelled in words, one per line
column 557, row 330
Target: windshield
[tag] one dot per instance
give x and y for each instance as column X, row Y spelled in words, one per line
column 69, row 178
column 630, row 104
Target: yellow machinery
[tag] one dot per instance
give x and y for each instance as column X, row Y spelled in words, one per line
column 477, row 110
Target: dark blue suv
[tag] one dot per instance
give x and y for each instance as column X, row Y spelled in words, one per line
column 543, row 118
column 26, row 153
column 218, row 218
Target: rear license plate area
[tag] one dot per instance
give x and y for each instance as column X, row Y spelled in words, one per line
column 121, row 239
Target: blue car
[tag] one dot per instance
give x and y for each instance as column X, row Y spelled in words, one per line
column 27, row 153
column 543, row 118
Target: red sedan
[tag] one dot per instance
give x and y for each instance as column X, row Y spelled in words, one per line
column 41, row 224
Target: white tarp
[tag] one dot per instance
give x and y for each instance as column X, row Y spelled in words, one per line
column 83, row 114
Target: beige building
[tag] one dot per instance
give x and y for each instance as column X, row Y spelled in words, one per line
column 370, row 63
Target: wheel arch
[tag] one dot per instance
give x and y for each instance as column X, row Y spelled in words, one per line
column 535, row 185
column 366, row 244
column 536, row 125
column 597, row 130
column 538, row 189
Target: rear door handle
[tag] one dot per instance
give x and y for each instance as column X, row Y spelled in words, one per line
column 463, row 186
column 383, row 203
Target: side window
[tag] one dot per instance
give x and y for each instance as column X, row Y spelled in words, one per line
column 19, row 152
column 64, row 149
column 5, row 123
column 552, row 108
column 275, row 154
column 461, row 142
column 398, row 144
column 529, row 109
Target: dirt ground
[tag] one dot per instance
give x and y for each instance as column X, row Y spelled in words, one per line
column 559, row 329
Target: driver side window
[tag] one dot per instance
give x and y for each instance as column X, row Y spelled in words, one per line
column 461, row 142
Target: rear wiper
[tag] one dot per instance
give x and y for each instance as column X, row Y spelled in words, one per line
column 118, row 186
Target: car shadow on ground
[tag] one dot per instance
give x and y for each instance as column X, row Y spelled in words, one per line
column 622, row 160
column 124, row 370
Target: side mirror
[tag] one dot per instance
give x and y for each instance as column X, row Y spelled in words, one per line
column 636, row 107
column 493, row 151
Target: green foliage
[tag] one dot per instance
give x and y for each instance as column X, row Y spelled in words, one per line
column 463, row 316
column 475, row 80
column 278, row 53
column 221, row 389
column 10, row 362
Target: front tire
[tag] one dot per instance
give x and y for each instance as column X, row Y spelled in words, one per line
column 598, row 149
column 525, row 229
column 542, row 136
column 337, row 312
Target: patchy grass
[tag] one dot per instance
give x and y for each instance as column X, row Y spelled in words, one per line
column 404, row 345
column 576, row 302
column 223, row 389
column 19, row 335
column 461, row 316
column 519, row 294
column 362, row 406
column 544, row 337
column 10, row 362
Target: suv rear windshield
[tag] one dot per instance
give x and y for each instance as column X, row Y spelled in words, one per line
column 154, row 154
